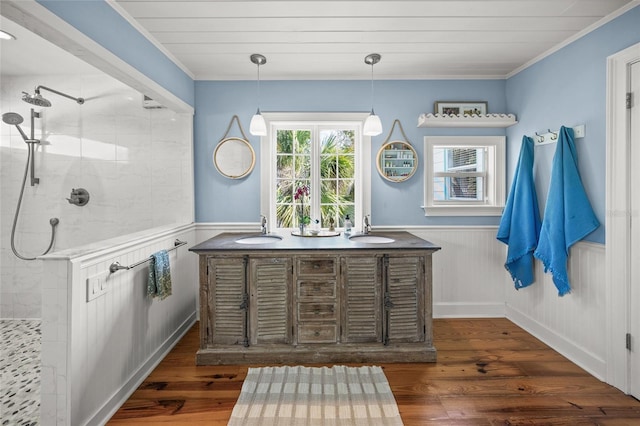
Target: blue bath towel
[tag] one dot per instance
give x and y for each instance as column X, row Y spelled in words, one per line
column 520, row 223
column 568, row 216
column 159, row 284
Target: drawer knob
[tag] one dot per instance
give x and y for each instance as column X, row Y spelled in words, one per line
column 317, row 333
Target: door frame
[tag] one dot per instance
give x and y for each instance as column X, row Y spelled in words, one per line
column 618, row 215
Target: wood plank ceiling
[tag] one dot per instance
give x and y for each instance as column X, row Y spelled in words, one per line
column 328, row 39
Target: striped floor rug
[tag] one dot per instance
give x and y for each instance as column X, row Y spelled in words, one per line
column 309, row 396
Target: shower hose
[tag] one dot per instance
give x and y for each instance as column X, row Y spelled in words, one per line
column 53, row 221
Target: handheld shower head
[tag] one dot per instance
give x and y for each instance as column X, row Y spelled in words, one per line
column 37, row 99
column 12, row 118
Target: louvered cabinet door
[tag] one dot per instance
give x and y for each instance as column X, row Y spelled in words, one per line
column 403, row 281
column 361, row 298
column 270, row 300
column 226, row 289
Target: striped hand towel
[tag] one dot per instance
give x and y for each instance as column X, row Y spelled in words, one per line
column 159, row 284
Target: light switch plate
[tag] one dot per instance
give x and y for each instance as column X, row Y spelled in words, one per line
column 97, row 285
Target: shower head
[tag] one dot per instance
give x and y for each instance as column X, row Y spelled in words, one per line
column 37, row 99
column 12, row 118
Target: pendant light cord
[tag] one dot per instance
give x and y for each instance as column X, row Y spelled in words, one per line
column 372, row 87
column 258, row 86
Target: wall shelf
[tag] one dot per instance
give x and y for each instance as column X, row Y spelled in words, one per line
column 452, row 120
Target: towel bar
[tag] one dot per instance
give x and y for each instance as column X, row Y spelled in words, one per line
column 116, row 266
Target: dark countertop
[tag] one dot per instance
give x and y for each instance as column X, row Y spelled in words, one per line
column 227, row 242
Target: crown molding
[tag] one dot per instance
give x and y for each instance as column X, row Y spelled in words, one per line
column 575, row 37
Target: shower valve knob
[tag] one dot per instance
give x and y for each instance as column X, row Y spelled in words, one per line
column 79, row 197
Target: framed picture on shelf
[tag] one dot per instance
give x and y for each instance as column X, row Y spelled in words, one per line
column 460, row 108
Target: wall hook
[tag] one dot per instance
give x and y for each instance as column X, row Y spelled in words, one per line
column 554, row 136
column 79, row 197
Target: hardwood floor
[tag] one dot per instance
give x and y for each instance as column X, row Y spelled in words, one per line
column 489, row 372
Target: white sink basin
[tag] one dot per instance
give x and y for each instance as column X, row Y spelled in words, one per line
column 371, row 239
column 259, row 239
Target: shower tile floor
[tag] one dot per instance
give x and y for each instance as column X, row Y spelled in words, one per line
column 20, row 367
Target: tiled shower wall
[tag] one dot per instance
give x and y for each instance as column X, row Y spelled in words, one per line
column 136, row 164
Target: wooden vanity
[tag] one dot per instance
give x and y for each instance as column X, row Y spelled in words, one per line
column 315, row 299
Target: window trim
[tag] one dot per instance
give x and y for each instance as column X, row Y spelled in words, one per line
column 496, row 172
column 268, row 157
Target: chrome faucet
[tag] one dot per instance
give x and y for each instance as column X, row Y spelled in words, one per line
column 366, row 227
column 263, row 224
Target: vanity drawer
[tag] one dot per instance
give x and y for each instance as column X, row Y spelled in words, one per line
column 316, row 288
column 317, row 333
column 316, row 311
column 316, row 266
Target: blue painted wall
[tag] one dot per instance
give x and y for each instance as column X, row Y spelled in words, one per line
column 569, row 88
column 223, row 200
column 100, row 22
column 566, row 88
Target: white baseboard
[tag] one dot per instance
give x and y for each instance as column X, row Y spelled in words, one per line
column 468, row 310
column 586, row 360
column 112, row 405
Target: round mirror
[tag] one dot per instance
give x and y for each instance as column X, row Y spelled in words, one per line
column 397, row 161
column 234, row 158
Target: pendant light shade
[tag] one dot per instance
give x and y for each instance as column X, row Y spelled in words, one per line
column 258, row 127
column 372, row 125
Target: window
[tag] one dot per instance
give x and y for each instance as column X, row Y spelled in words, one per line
column 322, row 151
column 465, row 175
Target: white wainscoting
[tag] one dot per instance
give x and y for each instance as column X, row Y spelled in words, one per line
column 95, row 354
column 469, row 280
column 468, row 273
column 575, row 324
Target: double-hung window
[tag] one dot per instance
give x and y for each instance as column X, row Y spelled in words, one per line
column 322, row 152
column 465, row 175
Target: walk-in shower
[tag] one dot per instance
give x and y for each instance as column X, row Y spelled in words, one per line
column 15, row 119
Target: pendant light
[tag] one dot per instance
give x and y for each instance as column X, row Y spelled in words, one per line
column 258, row 127
column 372, row 125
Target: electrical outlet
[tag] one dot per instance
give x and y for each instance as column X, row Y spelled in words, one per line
column 97, row 285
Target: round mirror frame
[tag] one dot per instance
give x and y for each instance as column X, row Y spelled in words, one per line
column 235, row 170
column 397, row 161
